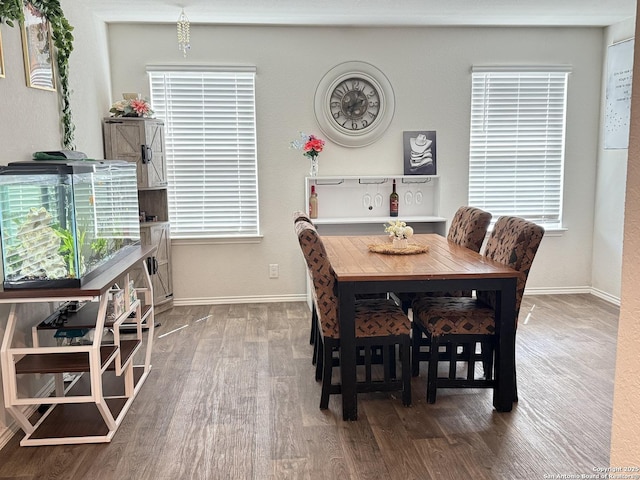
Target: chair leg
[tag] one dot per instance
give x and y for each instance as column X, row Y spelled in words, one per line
column 487, row 359
column 406, row 305
column 405, row 357
column 320, row 357
column 432, row 375
column 326, row 375
column 314, row 359
column 416, row 336
column 314, row 326
column 392, row 361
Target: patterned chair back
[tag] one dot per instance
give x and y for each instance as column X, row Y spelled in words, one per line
column 301, row 216
column 514, row 242
column 469, row 227
column 323, row 276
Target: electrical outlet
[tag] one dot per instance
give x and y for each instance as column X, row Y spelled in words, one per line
column 273, row 270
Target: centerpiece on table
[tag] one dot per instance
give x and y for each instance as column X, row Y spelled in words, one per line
column 399, row 233
column 312, row 146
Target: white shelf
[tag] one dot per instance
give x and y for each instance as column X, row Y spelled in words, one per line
column 101, row 411
column 360, row 204
column 380, row 220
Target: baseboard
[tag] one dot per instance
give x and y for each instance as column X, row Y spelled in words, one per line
column 10, row 430
column 7, row 433
column 574, row 290
column 233, row 300
column 303, row 297
column 605, row 296
column 556, row 290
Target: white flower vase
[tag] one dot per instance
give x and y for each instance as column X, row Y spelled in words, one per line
column 314, row 167
column 400, row 242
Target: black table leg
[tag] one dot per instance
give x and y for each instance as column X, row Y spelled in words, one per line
column 504, row 392
column 346, row 294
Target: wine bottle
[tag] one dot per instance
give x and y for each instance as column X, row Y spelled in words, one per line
column 393, row 201
column 313, row 203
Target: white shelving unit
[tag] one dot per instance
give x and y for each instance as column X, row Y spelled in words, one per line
column 360, row 204
column 91, row 407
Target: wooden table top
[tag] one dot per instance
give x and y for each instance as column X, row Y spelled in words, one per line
column 352, row 260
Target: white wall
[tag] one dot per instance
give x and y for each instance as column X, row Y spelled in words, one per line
column 429, row 69
column 611, row 177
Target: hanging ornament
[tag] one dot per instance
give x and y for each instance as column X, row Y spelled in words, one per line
column 184, row 39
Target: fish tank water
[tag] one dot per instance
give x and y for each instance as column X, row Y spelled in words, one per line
column 62, row 221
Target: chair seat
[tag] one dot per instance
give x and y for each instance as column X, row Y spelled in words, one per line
column 375, row 318
column 454, row 315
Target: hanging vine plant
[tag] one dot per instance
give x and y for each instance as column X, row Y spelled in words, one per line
column 13, row 10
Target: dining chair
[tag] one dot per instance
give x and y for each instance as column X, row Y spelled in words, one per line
column 468, row 229
column 300, row 216
column 378, row 323
column 469, row 322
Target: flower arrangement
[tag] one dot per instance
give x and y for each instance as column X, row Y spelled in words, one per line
column 312, row 146
column 399, row 230
column 135, row 107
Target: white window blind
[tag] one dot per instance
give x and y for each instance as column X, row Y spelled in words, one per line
column 210, row 136
column 517, row 143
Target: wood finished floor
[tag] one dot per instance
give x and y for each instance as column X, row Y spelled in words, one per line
column 233, row 396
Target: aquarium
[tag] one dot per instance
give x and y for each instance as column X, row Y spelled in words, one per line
column 62, row 221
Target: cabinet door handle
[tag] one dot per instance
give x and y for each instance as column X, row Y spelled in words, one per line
column 147, row 154
column 152, row 265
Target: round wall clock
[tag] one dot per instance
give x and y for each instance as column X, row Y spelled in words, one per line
column 354, row 104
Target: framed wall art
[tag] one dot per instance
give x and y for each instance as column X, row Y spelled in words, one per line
column 1, row 58
column 37, row 49
column 419, row 153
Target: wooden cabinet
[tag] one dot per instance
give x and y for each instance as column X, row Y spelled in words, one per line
column 159, row 266
column 141, row 141
column 94, row 381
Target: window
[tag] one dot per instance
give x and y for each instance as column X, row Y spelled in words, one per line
column 516, row 154
column 210, row 138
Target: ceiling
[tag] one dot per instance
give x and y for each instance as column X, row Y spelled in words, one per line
column 368, row 12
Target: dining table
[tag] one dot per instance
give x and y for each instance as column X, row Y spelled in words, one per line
column 365, row 264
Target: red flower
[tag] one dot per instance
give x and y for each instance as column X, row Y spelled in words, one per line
column 313, row 146
column 140, row 107
column 309, row 144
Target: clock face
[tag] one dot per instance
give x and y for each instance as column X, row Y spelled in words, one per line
column 354, row 104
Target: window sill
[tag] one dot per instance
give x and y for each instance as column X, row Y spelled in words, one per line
column 555, row 231
column 216, row 240
column 548, row 231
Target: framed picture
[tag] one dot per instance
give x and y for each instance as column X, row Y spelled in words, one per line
column 37, row 49
column 419, row 153
column 1, row 58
